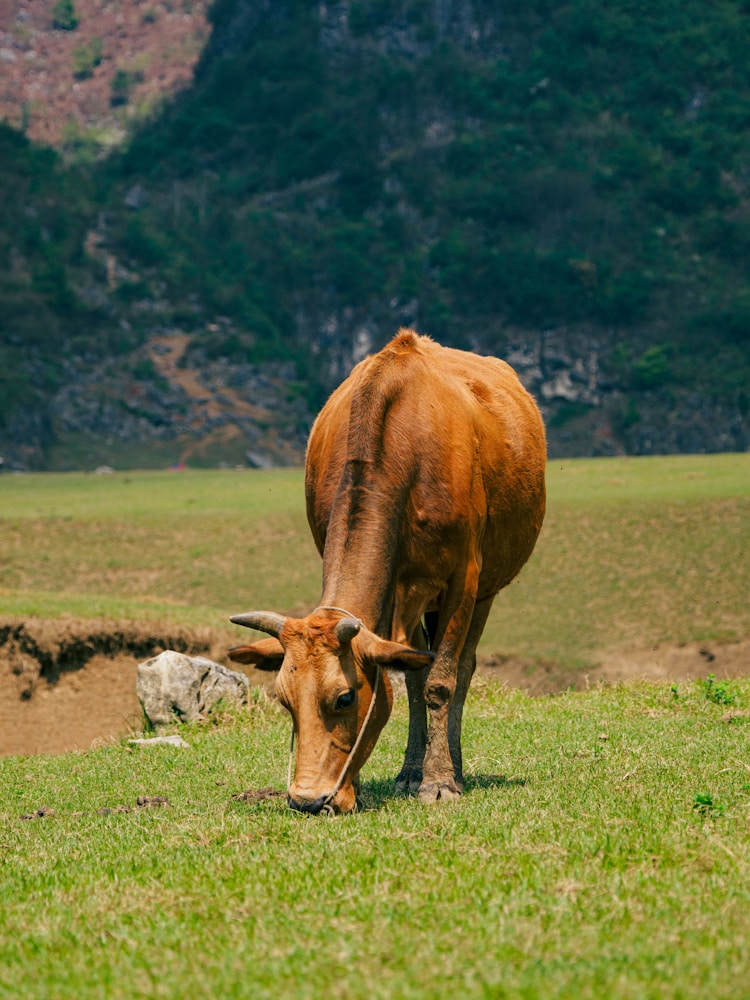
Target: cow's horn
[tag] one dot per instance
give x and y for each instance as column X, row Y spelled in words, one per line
column 346, row 629
column 264, row 621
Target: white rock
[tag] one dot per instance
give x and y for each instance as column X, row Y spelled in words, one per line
column 175, row 687
column 167, row 741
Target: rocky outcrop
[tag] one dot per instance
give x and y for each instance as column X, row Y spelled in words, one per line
column 59, row 83
column 208, row 407
column 169, row 396
column 592, row 409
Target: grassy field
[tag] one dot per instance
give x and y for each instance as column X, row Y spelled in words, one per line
column 602, row 850
column 633, row 552
column 602, row 847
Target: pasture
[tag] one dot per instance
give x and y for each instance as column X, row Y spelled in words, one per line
column 634, row 552
column 602, row 847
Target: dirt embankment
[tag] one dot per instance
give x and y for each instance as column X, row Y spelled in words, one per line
column 667, row 662
column 67, row 684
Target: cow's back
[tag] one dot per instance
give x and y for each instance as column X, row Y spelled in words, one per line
column 454, row 435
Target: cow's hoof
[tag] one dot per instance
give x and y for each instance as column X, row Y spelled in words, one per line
column 409, row 781
column 439, row 791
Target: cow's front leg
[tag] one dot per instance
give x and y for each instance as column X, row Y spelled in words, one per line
column 438, row 779
column 439, row 774
column 410, row 777
column 408, row 611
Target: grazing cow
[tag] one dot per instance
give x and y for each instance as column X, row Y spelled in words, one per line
column 425, row 494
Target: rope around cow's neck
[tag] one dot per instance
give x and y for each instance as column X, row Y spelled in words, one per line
column 328, row 799
column 332, row 607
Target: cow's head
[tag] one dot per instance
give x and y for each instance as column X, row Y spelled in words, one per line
column 328, row 663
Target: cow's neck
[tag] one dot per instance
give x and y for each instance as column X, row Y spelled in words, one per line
column 361, row 543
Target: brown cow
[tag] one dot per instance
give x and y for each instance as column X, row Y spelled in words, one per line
column 425, row 495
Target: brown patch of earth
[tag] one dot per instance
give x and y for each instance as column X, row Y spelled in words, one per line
column 253, row 795
column 166, row 354
column 665, row 662
column 69, row 684
column 151, row 48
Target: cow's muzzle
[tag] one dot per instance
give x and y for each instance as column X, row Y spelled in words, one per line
column 319, row 805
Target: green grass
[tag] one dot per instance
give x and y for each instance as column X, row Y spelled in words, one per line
column 150, row 495
column 633, row 552
column 656, row 478
column 602, row 849
column 191, row 546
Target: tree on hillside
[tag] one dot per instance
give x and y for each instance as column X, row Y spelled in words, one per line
column 64, row 16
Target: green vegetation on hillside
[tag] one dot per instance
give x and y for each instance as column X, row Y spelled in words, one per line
column 579, row 163
column 42, row 227
column 486, row 170
column 600, row 850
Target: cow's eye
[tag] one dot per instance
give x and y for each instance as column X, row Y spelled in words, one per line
column 346, row 699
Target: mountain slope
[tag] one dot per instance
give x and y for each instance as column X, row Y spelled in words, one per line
column 564, row 184
column 78, row 73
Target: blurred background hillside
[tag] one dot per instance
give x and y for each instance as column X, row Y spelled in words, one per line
column 211, row 212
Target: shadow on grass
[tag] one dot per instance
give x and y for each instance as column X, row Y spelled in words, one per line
column 377, row 792
column 474, row 781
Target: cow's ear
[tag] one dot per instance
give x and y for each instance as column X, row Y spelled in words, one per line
column 394, row 655
column 267, row 654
